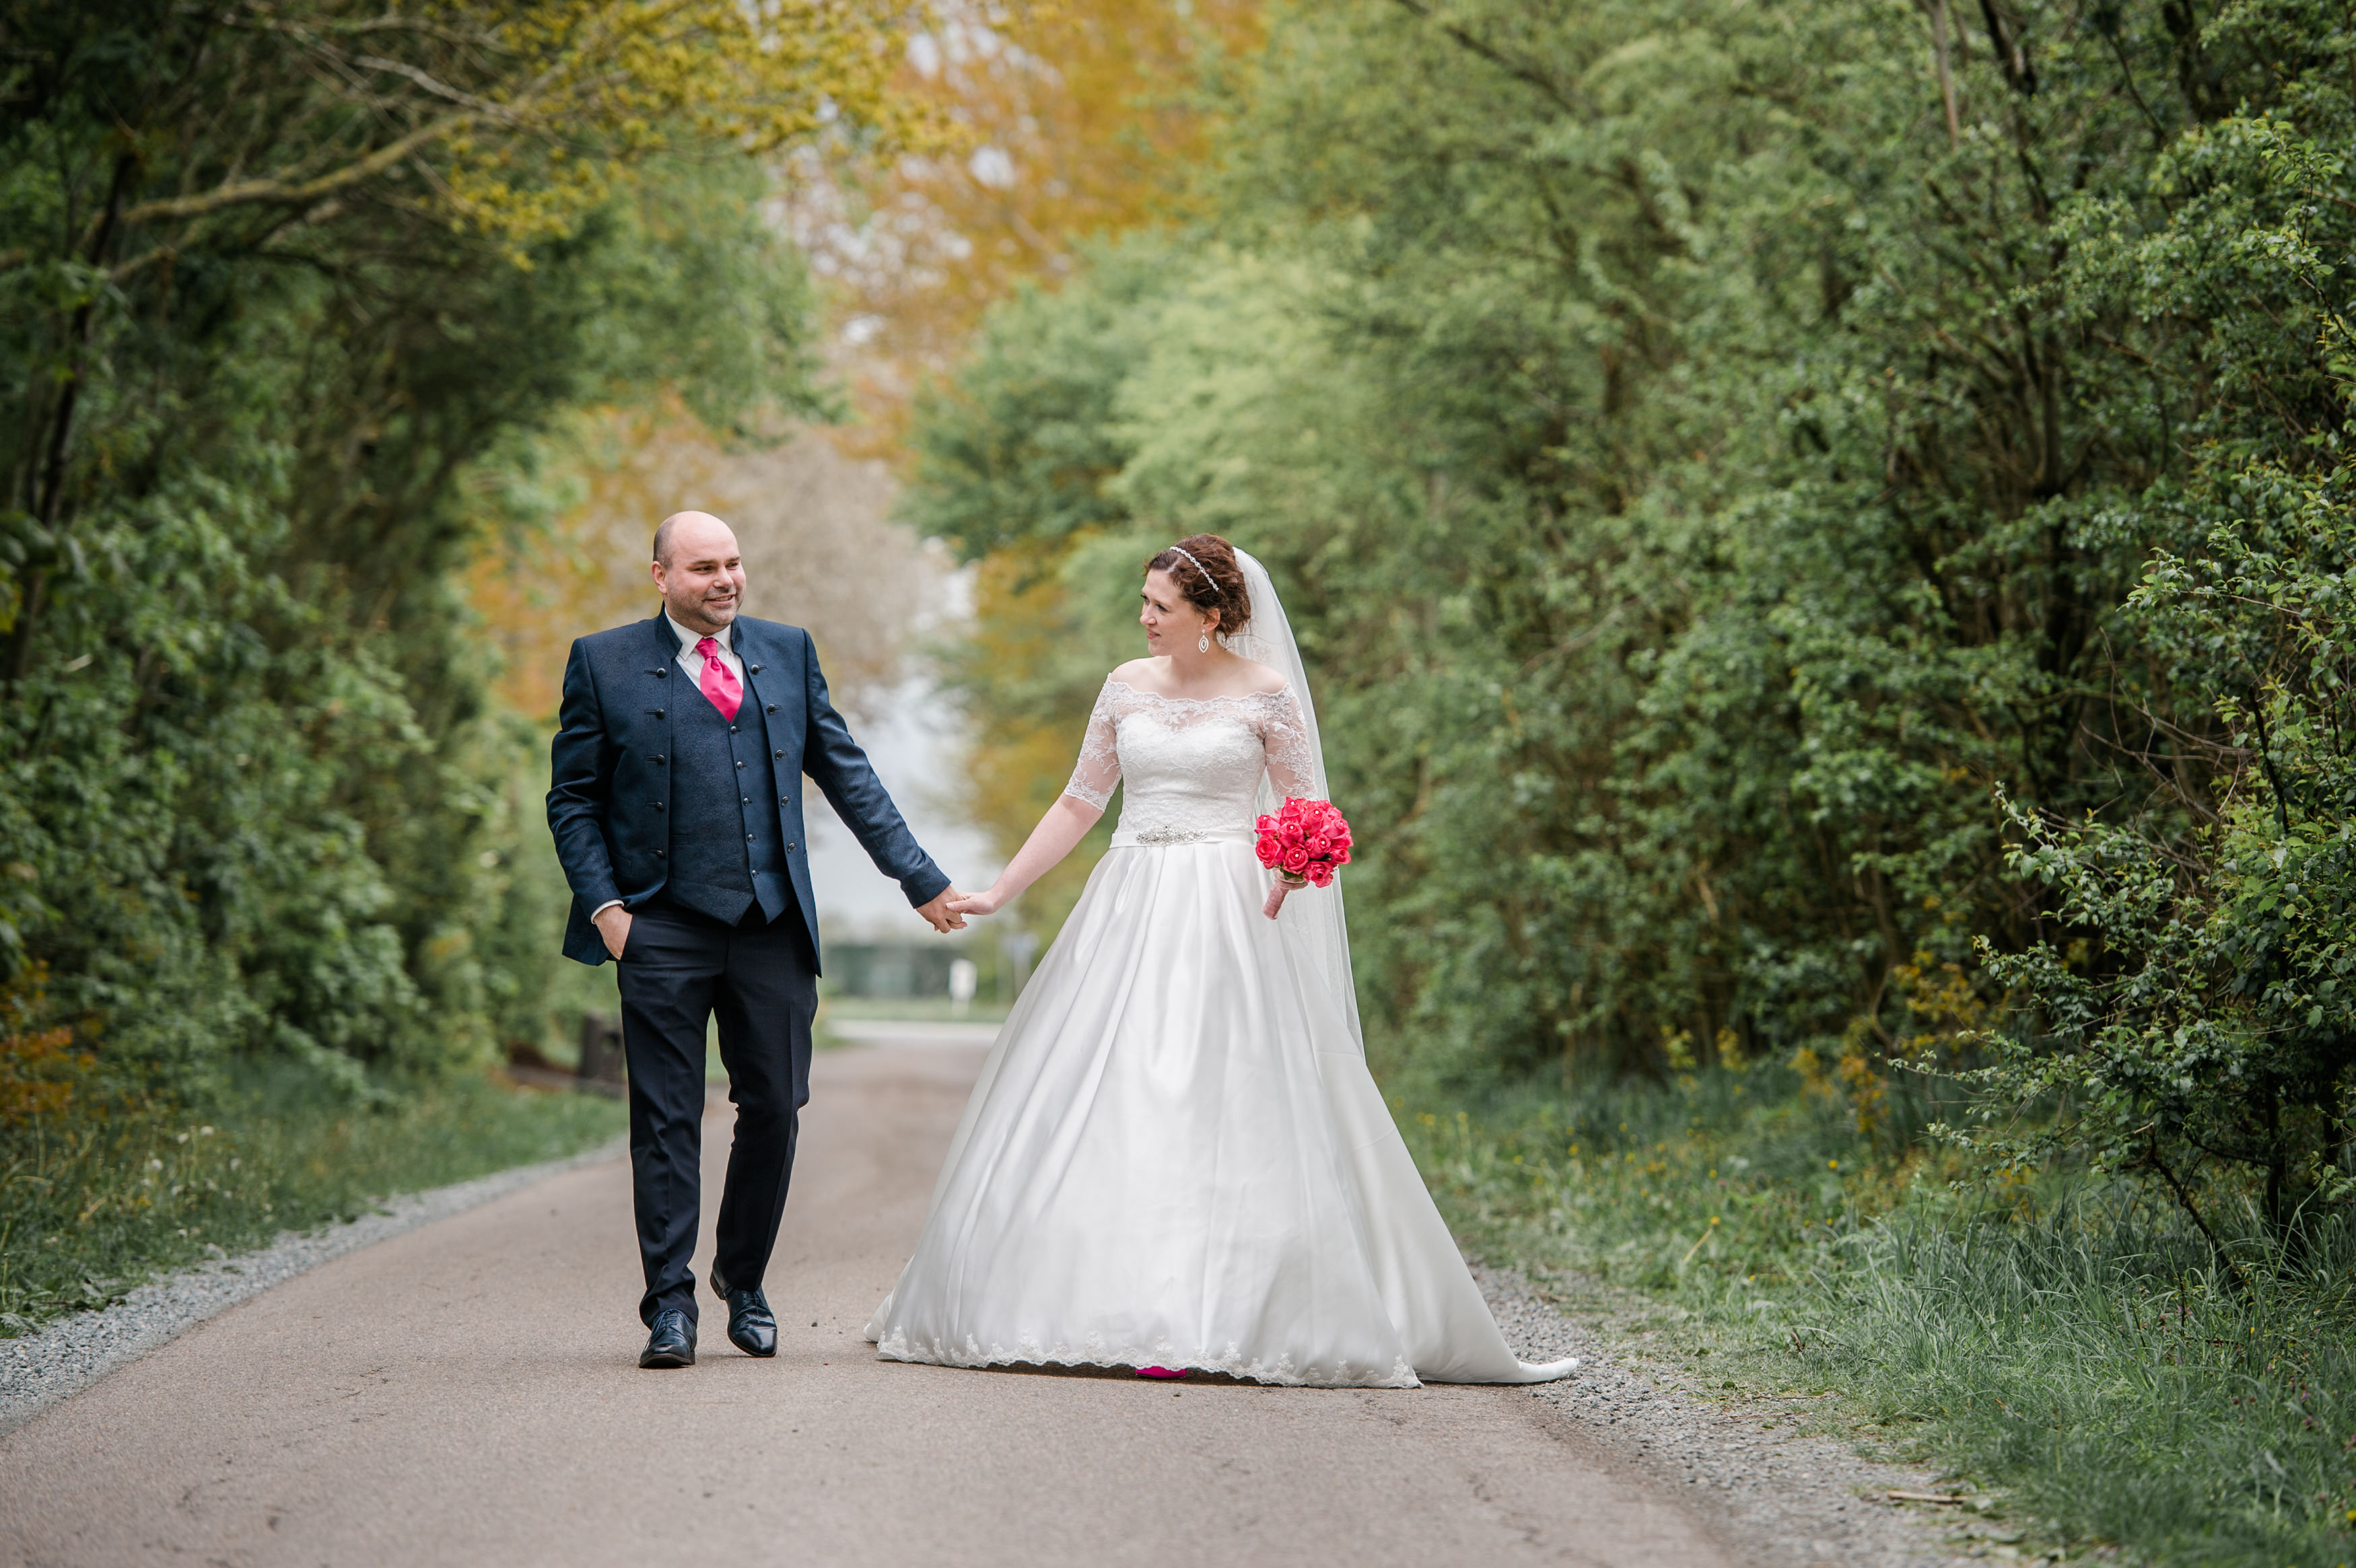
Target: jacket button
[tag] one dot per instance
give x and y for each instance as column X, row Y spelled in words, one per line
column 661, row 758
column 778, row 754
column 658, row 806
column 771, row 708
column 791, row 847
column 748, row 838
column 740, row 764
column 743, row 800
column 659, row 854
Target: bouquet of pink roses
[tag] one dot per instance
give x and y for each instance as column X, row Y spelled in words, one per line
column 1303, row 842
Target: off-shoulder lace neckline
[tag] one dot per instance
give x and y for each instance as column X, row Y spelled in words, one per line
column 1197, row 701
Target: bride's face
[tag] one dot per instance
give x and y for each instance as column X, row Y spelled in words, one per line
column 1173, row 624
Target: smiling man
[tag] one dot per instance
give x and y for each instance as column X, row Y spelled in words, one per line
column 675, row 799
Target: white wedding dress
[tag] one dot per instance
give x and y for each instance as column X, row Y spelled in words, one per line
column 1175, row 1155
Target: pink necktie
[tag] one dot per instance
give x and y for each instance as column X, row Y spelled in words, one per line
column 719, row 682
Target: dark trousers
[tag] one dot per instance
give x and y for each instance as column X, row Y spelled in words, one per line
column 677, row 970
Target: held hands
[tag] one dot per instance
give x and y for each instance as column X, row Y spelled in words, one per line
column 948, row 909
column 989, row 902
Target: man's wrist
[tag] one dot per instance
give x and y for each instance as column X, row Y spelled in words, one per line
column 601, row 909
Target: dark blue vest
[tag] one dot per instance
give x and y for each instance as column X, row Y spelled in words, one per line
column 727, row 852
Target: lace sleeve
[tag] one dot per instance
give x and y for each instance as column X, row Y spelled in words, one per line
column 1099, row 764
column 1292, row 763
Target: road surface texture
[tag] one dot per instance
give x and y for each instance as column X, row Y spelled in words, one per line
column 467, row 1392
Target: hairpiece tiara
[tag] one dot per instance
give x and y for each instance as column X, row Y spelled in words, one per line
column 1199, row 567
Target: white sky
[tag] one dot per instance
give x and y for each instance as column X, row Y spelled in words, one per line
column 914, row 746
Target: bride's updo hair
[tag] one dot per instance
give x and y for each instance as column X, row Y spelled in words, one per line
column 1210, row 581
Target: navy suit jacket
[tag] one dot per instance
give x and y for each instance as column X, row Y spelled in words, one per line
column 610, row 769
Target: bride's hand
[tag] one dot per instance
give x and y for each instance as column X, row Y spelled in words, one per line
column 977, row 904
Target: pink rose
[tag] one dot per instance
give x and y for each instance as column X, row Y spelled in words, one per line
column 1296, row 860
column 1268, row 852
column 1321, row 874
column 1342, row 858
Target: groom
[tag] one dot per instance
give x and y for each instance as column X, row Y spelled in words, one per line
column 676, row 801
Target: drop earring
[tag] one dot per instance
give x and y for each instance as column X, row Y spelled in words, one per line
column 1202, row 643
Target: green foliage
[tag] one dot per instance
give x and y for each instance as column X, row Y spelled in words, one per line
column 2193, row 1022
column 251, row 796
column 1717, row 460
column 2083, row 1353
column 2198, row 1026
column 1722, row 1179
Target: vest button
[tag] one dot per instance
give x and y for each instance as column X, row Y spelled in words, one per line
column 748, row 838
column 732, row 729
column 778, row 754
column 772, row 707
column 740, row 764
column 743, row 800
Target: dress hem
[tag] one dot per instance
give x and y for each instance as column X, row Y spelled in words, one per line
column 1282, row 1374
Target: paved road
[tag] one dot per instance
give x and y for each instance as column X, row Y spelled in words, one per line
column 468, row 1394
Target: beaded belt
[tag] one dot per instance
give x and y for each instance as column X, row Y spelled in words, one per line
column 1164, row 837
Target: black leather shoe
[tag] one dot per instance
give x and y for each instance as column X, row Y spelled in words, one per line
column 752, row 1326
column 672, row 1343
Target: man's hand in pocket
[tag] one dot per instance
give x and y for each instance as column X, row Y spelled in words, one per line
column 614, row 925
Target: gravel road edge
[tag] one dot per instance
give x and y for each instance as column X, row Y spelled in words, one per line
column 39, row 1369
column 1783, row 1495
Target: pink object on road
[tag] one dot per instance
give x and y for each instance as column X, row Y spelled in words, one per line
column 1161, row 1371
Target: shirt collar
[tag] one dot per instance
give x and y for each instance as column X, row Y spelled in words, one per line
column 687, row 639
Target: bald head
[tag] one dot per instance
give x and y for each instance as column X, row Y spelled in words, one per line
column 698, row 570
column 698, row 527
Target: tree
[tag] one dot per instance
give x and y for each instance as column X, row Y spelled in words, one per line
column 287, row 291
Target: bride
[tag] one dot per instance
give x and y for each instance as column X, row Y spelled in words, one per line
column 1175, row 1158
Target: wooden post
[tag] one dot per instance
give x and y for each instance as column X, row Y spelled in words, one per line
column 601, row 1052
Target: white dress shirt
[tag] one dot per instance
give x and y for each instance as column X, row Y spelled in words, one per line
column 692, row 663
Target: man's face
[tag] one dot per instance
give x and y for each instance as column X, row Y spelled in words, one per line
column 702, row 579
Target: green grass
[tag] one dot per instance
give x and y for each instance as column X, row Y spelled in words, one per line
column 2075, row 1348
column 92, row 1204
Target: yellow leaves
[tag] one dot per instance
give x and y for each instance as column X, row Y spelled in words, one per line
column 1943, row 1003
column 38, row 1073
column 1077, row 118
